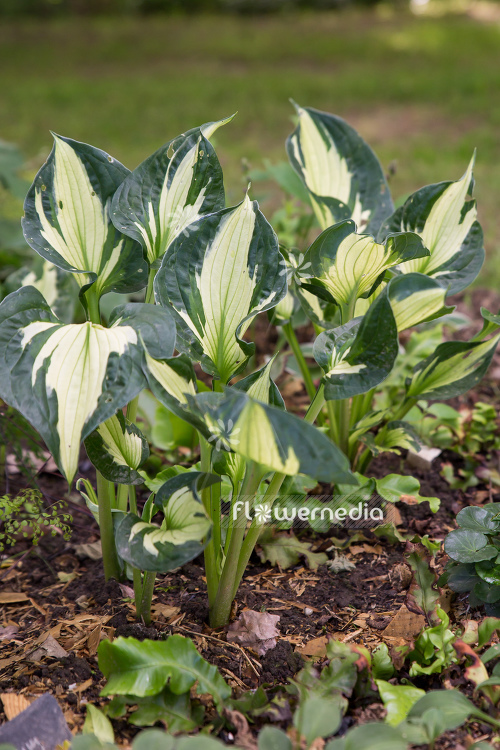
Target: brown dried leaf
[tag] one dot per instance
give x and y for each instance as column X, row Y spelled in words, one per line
column 315, row 647
column 94, row 639
column 13, row 704
column 255, row 630
column 405, row 624
column 244, row 738
column 50, row 647
column 7, row 633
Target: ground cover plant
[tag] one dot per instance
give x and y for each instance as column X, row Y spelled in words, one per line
column 372, row 273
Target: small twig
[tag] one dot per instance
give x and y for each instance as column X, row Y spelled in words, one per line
column 15, row 564
column 231, row 645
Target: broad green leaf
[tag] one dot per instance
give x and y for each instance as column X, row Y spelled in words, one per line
column 454, row 368
column 370, row 736
column 485, row 593
column 382, row 667
column 170, row 190
column 57, row 286
column 445, row 218
column 272, row 738
column 359, row 355
column 67, row 219
column 117, row 448
column 454, row 707
column 98, row 724
column 478, row 519
column 285, row 550
column 416, row 298
column 489, row 572
column 183, row 533
column 317, row 716
column 486, row 629
column 468, row 546
column 89, row 742
column 345, row 266
column 341, row 172
column 217, row 275
column 144, row 668
column 398, row 699
column 271, row 437
column 68, row 378
column 393, row 486
column 174, row 711
column 461, row 578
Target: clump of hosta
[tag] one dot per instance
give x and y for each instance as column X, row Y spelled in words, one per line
column 208, row 270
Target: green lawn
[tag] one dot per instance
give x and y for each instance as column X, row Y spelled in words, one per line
column 424, row 92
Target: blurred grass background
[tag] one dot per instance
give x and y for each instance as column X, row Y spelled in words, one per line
column 424, row 91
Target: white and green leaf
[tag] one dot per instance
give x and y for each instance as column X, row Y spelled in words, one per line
column 416, row 298
column 57, row 287
column 341, row 172
column 117, row 448
column 223, row 270
column 174, row 187
column 359, row 355
column 454, row 368
column 346, row 266
column 67, row 219
column 397, row 436
column 445, row 217
column 183, row 533
column 271, row 437
column 68, row 378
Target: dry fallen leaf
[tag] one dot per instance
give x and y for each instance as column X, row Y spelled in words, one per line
column 50, row 647
column 92, row 550
column 13, row 704
column 7, row 633
column 244, row 738
column 315, row 647
column 405, row 624
column 256, row 630
column 94, row 639
column 165, row 609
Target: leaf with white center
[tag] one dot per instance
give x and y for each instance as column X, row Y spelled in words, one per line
column 416, row 298
column 223, row 270
column 117, row 448
column 346, row 266
column 341, row 172
column 183, row 533
column 57, row 287
column 359, row 355
column 68, row 378
column 174, row 187
column 454, row 368
column 271, row 436
column 67, row 219
column 446, row 220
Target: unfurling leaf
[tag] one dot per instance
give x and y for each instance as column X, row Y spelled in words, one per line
column 67, row 219
column 117, row 448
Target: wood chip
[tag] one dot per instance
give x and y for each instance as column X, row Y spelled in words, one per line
column 13, row 704
column 12, row 597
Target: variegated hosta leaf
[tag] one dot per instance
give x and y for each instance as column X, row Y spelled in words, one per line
column 259, row 386
column 117, row 448
column 271, row 437
column 282, row 313
column 446, row 220
column 341, row 172
column 453, row 369
column 68, row 378
column 217, row 275
column 346, row 266
column 174, row 187
column 57, row 286
column 360, row 354
column 397, row 435
column 183, row 533
column 67, row 219
column 416, row 298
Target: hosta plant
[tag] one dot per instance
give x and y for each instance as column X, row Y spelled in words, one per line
column 208, row 271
